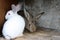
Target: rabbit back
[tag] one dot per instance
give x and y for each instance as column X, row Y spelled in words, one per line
column 14, row 26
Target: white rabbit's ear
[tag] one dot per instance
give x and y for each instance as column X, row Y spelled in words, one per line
column 13, row 7
column 18, row 7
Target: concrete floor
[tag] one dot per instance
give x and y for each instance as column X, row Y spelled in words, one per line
column 42, row 34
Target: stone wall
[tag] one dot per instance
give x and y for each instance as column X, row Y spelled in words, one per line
column 51, row 18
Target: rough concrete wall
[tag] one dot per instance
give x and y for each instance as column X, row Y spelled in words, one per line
column 51, row 18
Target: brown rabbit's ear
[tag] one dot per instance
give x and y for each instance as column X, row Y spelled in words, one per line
column 39, row 15
column 27, row 15
column 13, row 7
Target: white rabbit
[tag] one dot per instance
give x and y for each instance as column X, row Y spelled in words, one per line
column 15, row 24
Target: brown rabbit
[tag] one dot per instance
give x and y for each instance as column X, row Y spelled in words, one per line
column 30, row 23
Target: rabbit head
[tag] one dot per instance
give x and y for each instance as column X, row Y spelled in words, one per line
column 15, row 9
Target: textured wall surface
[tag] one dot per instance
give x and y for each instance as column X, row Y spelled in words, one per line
column 51, row 18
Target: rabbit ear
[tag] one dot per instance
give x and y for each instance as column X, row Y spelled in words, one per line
column 13, row 7
column 18, row 7
column 39, row 15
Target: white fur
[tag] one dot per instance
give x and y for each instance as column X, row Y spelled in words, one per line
column 14, row 26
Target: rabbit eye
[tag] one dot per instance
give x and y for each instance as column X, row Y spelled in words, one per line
column 9, row 14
